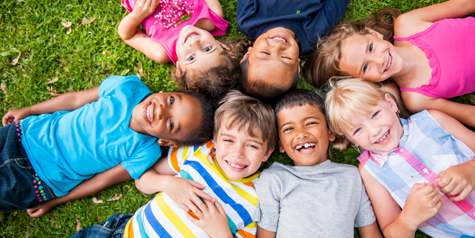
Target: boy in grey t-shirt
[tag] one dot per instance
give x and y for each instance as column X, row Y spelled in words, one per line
column 314, row 198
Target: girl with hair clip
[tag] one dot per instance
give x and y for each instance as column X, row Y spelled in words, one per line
column 428, row 56
column 423, row 164
column 183, row 32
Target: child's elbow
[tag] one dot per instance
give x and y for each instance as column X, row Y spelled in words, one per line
column 139, row 184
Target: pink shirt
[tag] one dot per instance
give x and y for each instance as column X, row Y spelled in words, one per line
column 167, row 38
column 450, row 46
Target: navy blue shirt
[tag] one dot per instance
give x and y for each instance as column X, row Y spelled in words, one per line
column 308, row 19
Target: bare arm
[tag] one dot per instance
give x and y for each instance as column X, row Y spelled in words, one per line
column 420, row 19
column 215, row 6
column 91, row 186
column 64, row 102
column 137, row 39
column 263, row 233
column 161, row 178
column 370, row 231
column 464, row 113
column 422, row 203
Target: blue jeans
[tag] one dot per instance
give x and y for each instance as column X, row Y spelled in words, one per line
column 112, row 228
column 20, row 187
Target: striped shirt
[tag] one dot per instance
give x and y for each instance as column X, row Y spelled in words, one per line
column 162, row 217
column 425, row 150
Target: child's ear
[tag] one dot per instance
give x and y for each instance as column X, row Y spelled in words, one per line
column 377, row 34
column 223, row 45
column 331, row 136
column 391, row 102
column 281, row 147
column 246, row 55
column 168, row 143
column 267, row 155
column 178, row 70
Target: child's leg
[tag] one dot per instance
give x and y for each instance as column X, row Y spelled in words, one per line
column 112, row 228
column 20, row 187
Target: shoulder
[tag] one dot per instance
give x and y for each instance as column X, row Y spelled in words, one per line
column 275, row 172
column 124, row 84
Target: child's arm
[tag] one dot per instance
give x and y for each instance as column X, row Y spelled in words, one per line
column 64, row 102
column 416, row 102
column 215, row 6
column 137, row 39
column 459, row 178
column 209, row 216
column 370, row 231
column 161, row 178
column 263, row 233
column 422, row 203
column 420, row 19
column 91, row 186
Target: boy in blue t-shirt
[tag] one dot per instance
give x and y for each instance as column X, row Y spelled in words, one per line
column 102, row 136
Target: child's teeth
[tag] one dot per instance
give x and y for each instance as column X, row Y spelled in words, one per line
column 237, row 166
column 306, row 145
column 384, row 137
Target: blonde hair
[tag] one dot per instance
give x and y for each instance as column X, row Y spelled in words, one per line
column 324, row 61
column 256, row 117
column 350, row 96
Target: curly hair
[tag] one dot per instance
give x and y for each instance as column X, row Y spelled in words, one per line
column 324, row 61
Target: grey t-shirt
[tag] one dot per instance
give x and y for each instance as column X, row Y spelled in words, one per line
column 324, row 200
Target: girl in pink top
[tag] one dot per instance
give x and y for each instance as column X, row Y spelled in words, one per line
column 430, row 60
column 181, row 31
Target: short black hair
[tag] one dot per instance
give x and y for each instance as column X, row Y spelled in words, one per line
column 204, row 131
column 300, row 97
column 262, row 90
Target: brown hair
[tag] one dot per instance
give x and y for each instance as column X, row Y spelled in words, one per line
column 256, row 117
column 324, row 61
column 354, row 95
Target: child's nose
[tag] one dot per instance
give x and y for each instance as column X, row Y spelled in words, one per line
column 301, row 133
column 374, row 130
column 237, row 152
column 378, row 60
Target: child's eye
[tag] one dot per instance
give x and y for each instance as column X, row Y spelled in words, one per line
column 172, row 100
column 207, row 48
column 191, row 58
column 253, row 146
column 357, row 130
column 172, row 125
column 365, row 67
column 312, row 123
column 265, row 52
column 375, row 114
column 287, row 129
column 370, row 48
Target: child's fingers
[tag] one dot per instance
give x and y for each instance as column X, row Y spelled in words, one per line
column 219, row 207
column 443, row 179
column 463, row 194
column 203, row 195
column 197, row 201
column 193, row 207
column 196, row 184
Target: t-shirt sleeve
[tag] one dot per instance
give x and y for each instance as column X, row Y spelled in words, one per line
column 365, row 215
column 268, row 209
column 249, row 231
column 123, row 86
column 142, row 160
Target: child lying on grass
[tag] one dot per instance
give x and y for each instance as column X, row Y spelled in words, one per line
column 83, row 142
column 316, row 197
column 244, row 137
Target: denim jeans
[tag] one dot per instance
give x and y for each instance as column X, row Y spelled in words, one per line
column 114, row 227
column 20, row 187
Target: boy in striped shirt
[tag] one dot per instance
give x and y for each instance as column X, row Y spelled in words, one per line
column 221, row 173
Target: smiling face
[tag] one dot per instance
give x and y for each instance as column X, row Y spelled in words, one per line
column 380, row 130
column 166, row 115
column 304, row 134
column 238, row 154
column 197, row 49
column 369, row 56
column 274, row 57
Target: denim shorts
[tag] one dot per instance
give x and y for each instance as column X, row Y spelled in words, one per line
column 112, row 228
column 20, row 186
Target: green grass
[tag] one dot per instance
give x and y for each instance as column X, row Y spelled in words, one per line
column 81, row 60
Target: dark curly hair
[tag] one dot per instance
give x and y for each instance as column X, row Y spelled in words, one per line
column 204, row 131
column 323, row 62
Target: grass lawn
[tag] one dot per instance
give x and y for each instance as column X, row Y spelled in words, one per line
column 54, row 59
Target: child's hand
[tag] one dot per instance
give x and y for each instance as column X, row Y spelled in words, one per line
column 178, row 189
column 422, row 203
column 15, row 115
column 458, row 179
column 143, row 8
column 209, row 216
column 42, row 209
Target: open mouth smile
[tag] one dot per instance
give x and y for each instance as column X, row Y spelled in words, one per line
column 147, row 113
column 281, row 38
column 189, row 36
column 236, row 166
column 305, row 147
column 383, row 138
column 390, row 60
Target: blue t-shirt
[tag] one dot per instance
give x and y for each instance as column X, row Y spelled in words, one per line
column 68, row 147
column 308, row 19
